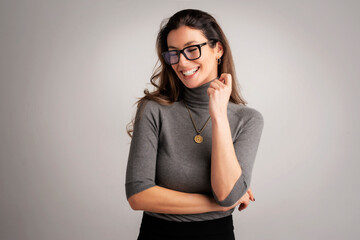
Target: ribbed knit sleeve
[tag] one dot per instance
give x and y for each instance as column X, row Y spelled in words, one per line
column 141, row 166
column 245, row 144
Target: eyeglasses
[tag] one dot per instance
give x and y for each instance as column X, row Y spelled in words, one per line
column 192, row 52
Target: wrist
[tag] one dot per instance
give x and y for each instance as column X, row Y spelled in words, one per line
column 219, row 119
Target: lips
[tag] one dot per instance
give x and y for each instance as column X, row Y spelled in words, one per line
column 190, row 72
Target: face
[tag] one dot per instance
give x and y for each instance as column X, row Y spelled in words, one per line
column 205, row 67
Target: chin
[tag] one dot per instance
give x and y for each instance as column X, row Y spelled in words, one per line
column 192, row 83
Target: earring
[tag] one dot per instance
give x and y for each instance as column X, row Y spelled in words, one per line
column 219, row 61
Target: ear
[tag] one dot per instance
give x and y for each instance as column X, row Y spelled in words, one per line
column 219, row 49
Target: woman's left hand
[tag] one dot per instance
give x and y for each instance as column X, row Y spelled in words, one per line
column 219, row 94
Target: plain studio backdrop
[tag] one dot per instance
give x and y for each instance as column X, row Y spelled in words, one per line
column 72, row 70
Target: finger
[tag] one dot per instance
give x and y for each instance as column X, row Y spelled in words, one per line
column 215, row 84
column 243, row 206
column 210, row 91
column 251, row 195
column 225, row 78
column 220, row 83
column 222, row 78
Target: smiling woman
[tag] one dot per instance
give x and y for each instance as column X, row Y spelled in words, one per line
column 203, row 66
column 185, row 172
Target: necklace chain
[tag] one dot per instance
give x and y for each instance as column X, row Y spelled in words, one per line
column 198, row 138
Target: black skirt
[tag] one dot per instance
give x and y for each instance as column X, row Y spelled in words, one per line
column 153, row 228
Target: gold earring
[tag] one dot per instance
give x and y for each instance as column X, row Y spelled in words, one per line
column 218, row 61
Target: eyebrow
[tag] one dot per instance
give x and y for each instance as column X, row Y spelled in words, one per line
column 186, row 44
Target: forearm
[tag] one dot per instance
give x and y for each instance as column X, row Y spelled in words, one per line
column 225, row 167
column 162, row 200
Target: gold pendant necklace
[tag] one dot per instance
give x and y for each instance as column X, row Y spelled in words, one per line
column 198, row 138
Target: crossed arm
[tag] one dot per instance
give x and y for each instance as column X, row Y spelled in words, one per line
column 163, row 200
column 158, row 199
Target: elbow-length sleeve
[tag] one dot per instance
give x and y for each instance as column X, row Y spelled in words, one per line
column 141, row 165
column 246, row 146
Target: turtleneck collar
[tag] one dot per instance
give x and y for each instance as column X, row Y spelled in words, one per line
column 197, row 97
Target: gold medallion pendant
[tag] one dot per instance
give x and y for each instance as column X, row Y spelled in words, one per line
column 198, row 139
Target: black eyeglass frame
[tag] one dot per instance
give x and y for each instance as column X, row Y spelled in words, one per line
column 183, row 52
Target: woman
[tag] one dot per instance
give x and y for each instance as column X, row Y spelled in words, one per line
column 194, row 140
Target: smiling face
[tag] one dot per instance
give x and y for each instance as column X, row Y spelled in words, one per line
column 194, row 73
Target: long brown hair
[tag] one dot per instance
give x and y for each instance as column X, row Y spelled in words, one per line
column 167, row 84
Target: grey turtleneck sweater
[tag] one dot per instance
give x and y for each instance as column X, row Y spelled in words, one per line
column 163, row 152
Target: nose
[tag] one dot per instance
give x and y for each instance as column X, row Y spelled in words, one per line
column 182, row 59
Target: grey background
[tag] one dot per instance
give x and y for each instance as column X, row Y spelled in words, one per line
column 71, row 72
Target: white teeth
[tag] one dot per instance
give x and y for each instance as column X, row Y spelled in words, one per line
column 190, row 72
